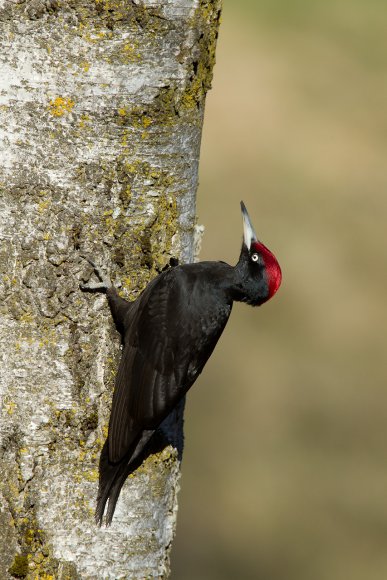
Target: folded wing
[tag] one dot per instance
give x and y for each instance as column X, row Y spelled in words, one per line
column 168, row 340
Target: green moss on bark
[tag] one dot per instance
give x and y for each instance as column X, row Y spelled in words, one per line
column 206, row 23
column 19, row 567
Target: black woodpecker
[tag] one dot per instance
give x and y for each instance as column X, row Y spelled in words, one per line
column 169, row 333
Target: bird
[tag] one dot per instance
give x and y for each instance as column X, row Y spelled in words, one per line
column 169, row 332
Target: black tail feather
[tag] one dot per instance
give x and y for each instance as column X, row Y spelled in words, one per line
column 115, row 492
column 112, row 476
column 107, row 476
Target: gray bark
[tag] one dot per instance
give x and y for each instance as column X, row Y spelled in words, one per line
column 101, row 110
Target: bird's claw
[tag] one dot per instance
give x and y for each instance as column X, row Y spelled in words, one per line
column 105, row 282
column 173, row 262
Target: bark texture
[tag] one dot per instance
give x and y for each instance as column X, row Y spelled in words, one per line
column 101, row 109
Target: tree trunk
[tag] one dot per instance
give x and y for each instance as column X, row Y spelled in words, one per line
column 101, row 110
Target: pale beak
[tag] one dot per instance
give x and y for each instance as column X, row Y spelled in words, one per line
column 249, row 234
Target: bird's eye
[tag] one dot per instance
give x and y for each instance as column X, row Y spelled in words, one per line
column 255, row 257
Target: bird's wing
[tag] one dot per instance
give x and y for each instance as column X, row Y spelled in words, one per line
column 168, row 341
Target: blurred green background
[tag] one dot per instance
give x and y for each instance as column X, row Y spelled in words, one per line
column 285, row 465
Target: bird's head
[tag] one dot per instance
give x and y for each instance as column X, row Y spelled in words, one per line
column 258, row 272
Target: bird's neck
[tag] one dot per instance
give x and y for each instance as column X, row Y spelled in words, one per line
column 245, row 288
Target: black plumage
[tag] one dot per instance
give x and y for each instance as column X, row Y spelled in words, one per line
column 169, row 333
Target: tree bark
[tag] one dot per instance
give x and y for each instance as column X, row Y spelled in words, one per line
column 101, row 110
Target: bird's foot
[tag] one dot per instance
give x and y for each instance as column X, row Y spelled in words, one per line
column 102, row 286
column 173, row 262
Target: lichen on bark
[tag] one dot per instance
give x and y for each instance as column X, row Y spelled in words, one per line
column 101, row 109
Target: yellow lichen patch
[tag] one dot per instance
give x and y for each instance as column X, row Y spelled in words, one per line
column 60, row 106
column 29, row 534
column 124, row 138
column 84, row 121
column 106, row 4
column 82, row 455
column 91, row 475
column 130, row 52
column 127, row 191
column 10, row 407
column 122, row 112
column 146, row 121
column 127, row 282
column 27, row 318
column 164, row 227
column 43, row 205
